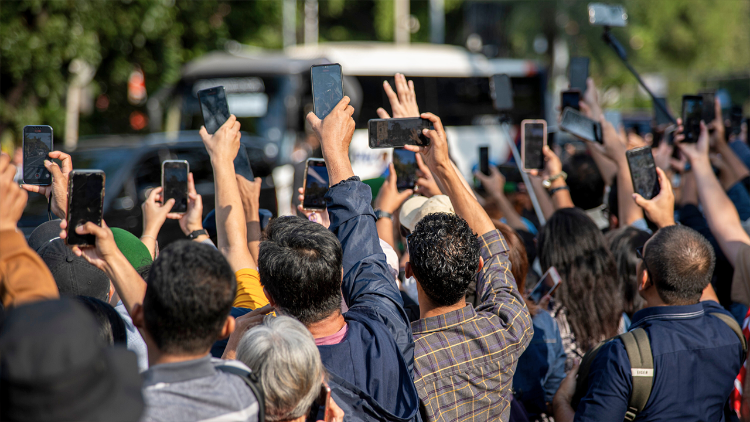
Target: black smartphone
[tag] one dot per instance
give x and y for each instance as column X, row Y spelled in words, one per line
column 484, row 160
column 395, row 133
column 661, row 117
column 174, row 183
column 511, row 173
column 502, row 92
column 214, row 107
column 735, row 117
column 578, row 72
column 709, row 107
column 583, row 127
column 242, row 164
column 533, row 139
column 405, row 163
column 643, row 172
column 570, row 98
column 327, row 88
column 37, row 144
column 316, row 184
column 85, row 202
column 692, row 113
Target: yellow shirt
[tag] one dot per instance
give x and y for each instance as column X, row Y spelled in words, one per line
column 249, row 291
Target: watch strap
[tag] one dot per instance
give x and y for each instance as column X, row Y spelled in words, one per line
column 382, row 214
column 197, row 233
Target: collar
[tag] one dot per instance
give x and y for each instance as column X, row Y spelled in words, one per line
column 166, row 373
column 664, row 313
column 444, row 321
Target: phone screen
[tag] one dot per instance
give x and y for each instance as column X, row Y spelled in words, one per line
column 85, row 197
column 502, row 92
column 174, row 182
column 583, row 127
column 405, row 163
column 546, row 285
column 661, row 117
column 692, row 113
column 484, row 160
column 534, row 137
column 387, row 133
column 643, row 172
column 37, row 143
column 570, row 99
column 709, row 104
column 316, row 185
column 327, row 88
column 578, row 73
column 214, row 108
column 242, row 164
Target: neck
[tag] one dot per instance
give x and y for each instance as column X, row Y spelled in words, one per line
column 327, row 326
column 427, row 309
column 156, row 357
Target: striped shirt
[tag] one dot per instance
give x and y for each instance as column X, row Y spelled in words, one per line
column 464, row 360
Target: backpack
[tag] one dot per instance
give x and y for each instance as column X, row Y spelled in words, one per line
column 252, row 380
column 638, row 348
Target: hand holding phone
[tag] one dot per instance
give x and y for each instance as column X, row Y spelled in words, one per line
column 643, row 172
column 692, row 114
column 396, row 133
column 174, row 183
column 37, row 144
column 85, row 203
column 578, row 125
column 546, row 285
column 484, row 160
column 327, row 88
column 316, row 185
column 533, row 140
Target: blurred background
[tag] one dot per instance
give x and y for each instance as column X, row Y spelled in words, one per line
column 117, row 79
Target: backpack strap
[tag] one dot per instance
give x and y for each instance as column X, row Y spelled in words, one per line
column 252, row 381
column 734, row 326
column 641, row 359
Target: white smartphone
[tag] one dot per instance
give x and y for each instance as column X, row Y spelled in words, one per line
column 547, row 284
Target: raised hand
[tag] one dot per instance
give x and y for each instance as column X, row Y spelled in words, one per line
column 403, row 101
column 223, row 145
column 242, row 325
column 58, row 190
column 426, row 184
column 192, row 219
column 659, row 209
column 320, row 217
column 155, row 213
column 335, row 134
column 494, row 183
column 105, row 249
column 436, row 154
column 13, row 197
column 552, row 164
column 389, row 199
column 696, row 153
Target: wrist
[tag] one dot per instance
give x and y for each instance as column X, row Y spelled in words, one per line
column 7, row 226
column 151, row 231
column 665, row 223
column 191, row 228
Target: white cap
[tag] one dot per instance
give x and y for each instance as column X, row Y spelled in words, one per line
column 418, row 207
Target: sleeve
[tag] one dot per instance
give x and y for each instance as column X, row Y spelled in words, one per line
column 499, row 294
column 23, row 275
column 609, row 386
column 741, row 277
column 249, row 291
column 741, row 200
column 367, row 281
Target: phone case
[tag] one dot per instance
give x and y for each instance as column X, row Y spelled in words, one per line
column 51, row 148
column 68, row 212
column 523, row 140
column 304, row 183
column 163, row 186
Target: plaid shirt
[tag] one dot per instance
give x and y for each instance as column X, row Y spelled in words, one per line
column 464, row 360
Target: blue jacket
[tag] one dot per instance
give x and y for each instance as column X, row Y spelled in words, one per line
column 370, row 372
column 696, row 359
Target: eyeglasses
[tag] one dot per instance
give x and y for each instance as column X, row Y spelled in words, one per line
column 639, row 252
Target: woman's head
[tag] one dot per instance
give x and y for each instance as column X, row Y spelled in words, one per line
column 571, row 242
column 623, row 242
column 283, row 352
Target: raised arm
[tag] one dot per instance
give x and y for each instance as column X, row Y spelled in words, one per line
column 558, row 189
column 250, row 193
column 231, row 229
column 389, row 200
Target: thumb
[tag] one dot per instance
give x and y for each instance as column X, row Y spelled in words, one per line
column 640, row 201
column 403, row 196
column 53, row 168
column 313, row 120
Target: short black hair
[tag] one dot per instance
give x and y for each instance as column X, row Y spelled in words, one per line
column 111, row 326
column 681, row 262
column 190, row 292
column 300, row 267
column 585, row 181
column 444, row 255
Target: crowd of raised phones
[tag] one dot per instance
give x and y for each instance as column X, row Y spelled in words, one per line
column 309, row 318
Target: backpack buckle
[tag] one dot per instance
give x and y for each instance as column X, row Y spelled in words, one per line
column 630, row 414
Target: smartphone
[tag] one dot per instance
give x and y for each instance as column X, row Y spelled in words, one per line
column 692, row 113
column 37, row 143
column 174, row 183
column 85, row 203
column 327, row 88
column 578, row 72
column 643, row 172
column 735, row 117
column 601, row 14
column 324, row 397
column 405, row 163
column 546, row 285
column 395, row 133
column 709, row 104
column 660, row 117
column 242, row 164
column 570, row 98
column 533, row 139
column 484, row 160
column 316, row 185
column 583, row 127
column 511, row 173
column 502, row 92
column 214, row 107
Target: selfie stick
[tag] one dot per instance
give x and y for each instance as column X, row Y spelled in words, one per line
column 620, row 51
column 524, row 176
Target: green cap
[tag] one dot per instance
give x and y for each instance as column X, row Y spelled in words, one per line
column 134, row 250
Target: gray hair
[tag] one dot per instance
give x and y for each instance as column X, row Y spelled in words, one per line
column 284, row 354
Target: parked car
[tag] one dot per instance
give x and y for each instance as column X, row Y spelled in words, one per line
column 133, row 166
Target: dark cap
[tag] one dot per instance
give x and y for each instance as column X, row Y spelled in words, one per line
column 44, row 233
column 73, row 275
column 54, row 367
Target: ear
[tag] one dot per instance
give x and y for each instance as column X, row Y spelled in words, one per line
column 270, row 299
column 481, row 264
column 137, row 316
column 644, row 282
column 227, row 329
column 408, row 272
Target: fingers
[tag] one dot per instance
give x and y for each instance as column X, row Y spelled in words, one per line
column 204, row 133
column 392, row 97
column 34, row 188
column 229, row 124
column 349, row 110
column 717, row 111
column 415, row 148
column 65, row 159
column 168, row 205
column 435, row 121
column 260, row 311
column 640, row 201
column 152, row 196
column 403, row 196
column 4, row 162
column 343, row 103
column 382, row 113
column 314, row 121
column 392, row 177
column 191, row 184
column 91, row 228
column 401, row 86
column 53, row 168
column 665, row 184
column 421, row 165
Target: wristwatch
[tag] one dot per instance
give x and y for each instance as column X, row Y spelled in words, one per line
column 195, row 234
column 548, row 183
column 382, row 214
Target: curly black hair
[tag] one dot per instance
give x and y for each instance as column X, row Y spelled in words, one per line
column 444, row 255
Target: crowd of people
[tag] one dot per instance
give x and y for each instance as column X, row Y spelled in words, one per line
column 410, row 306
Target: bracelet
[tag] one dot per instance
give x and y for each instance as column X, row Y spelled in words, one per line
column 194, row 235
column 547, row 183
column 146, row 235
column 382, row 214
column 558, row 189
